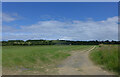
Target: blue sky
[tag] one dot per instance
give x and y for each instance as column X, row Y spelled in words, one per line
column 60, row 20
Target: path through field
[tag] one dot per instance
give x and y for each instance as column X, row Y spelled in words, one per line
column 80, row 64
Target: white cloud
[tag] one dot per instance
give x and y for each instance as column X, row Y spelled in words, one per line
column 8, row 18
column 68, row 30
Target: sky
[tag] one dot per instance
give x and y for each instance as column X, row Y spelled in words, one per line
column 60, row 20
column 60, row 1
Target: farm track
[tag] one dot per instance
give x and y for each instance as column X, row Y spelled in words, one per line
column 80, row 64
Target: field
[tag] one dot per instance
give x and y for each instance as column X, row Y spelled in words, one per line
column 107, row 56
column 35, row 59
column 44, row 60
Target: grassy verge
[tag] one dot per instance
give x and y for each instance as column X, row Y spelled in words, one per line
column 107, row 56
column 35, row 58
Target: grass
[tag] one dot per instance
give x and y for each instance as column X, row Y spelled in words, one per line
column 107, row 56
column 36, row 58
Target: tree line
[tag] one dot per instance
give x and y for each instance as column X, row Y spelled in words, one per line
column 55, row 42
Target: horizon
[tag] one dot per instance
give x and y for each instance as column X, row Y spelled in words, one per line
column 59, row 40
column 60, row 20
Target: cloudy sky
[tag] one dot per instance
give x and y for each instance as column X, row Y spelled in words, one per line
column 63, row 20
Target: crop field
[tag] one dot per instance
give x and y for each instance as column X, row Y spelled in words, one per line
column 107, row 56
column 36, row 59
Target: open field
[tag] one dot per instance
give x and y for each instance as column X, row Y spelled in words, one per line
column 35, row 59
column 60, row 60
column 107, row 56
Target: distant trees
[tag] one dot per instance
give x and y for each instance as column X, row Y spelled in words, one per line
column 55, row 42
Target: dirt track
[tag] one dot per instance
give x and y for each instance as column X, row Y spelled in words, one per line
column 80, row 64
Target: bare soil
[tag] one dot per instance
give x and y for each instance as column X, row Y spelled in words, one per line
column 80, row 64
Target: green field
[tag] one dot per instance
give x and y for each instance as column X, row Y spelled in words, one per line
column 107, row 56
column 36, row 58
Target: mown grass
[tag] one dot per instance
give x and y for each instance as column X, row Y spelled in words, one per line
column 36, row 57
column 106, row 55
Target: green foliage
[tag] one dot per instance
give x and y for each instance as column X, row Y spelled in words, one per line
column 106, row 55
column 54, row 42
